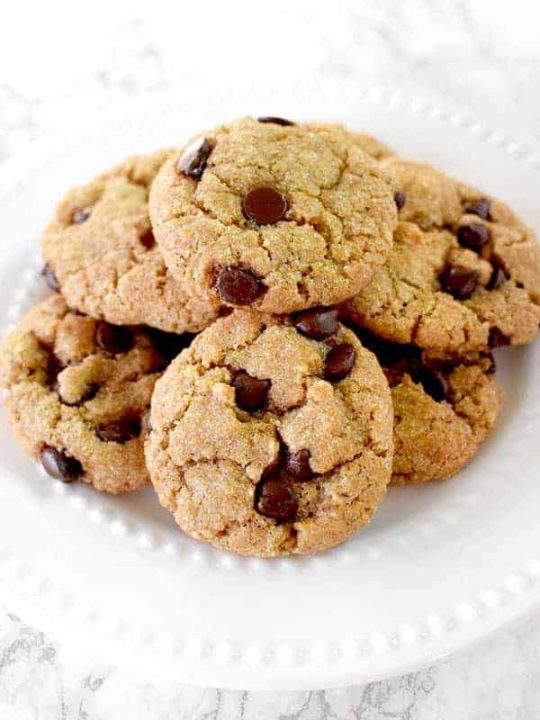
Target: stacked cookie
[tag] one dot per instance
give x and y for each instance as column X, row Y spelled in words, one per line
column 271, row 325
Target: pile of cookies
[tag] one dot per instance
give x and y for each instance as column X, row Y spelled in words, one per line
column 271, row 326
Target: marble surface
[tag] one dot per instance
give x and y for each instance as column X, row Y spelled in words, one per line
column 482, row 55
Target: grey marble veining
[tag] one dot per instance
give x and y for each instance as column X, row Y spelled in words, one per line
column 482, row 55
column 498, row 679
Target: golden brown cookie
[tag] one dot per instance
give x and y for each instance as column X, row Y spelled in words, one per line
column 444, row 408
column 271, row 215
column 102, row 254
column 79, row 390
column 272, row 435
column 463, row 275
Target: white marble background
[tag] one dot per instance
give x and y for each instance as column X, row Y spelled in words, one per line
column 60, row 63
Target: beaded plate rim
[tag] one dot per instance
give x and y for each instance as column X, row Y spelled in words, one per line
column 515, row 594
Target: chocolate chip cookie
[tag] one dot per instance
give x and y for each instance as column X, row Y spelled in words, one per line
column 272, row 215
column 102, row 255
column 463, row 275
column 79, row 391
column 272, row 435
column 444, row 408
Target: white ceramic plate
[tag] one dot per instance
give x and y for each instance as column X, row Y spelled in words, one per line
column 438, row 566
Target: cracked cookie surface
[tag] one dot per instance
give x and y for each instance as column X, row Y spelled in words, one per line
column 444, row 408
column 277, row 217
column 102, row 255
column 272, row 435
column 79, row 391
column 464, row 272
column 364, row 141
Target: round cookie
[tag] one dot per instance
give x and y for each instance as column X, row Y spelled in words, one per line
column 272, row 435
column 102, row 254
column 464, row 273
column 79, row 391
column 271, row 215
column 444, row 408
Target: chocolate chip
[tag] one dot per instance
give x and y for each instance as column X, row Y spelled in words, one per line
column 113, row 339
column 264, row 205
column 339, row 362
column 169, row 344
column 272, row 469
column 275, row 120
column 59, row 464
column 435, row 384
column 459, row 281
column 473, row 236
column 297, row 465
column 81, row 215
column 193, row 162
column 275, row 499
column 148, row 240
column 50, row 278
column 480, row 207
column 238, row 286
column 250, row 393
column 120, row 431
column 400, row 199
column 498, row 276
column 497, row 338
column 318, row 323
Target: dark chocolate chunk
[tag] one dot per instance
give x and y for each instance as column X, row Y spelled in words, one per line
column 264, row 205
column 238, row 286
column 59, row 464
column 498, row 277
column 339, row 362
column 275, row 120
column 458, row 281
column 275, row 499
column 148, row 240
column 474, row 236
column 318, row 323
column 480, row 207
column 250, row 393
column 297, row 465
column 119, row 431
column 194, row 159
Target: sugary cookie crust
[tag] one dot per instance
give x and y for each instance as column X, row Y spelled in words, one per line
column 336, row 230
column 100, row 247
column 207, row 457
column 68, row 394
column 364, row 141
